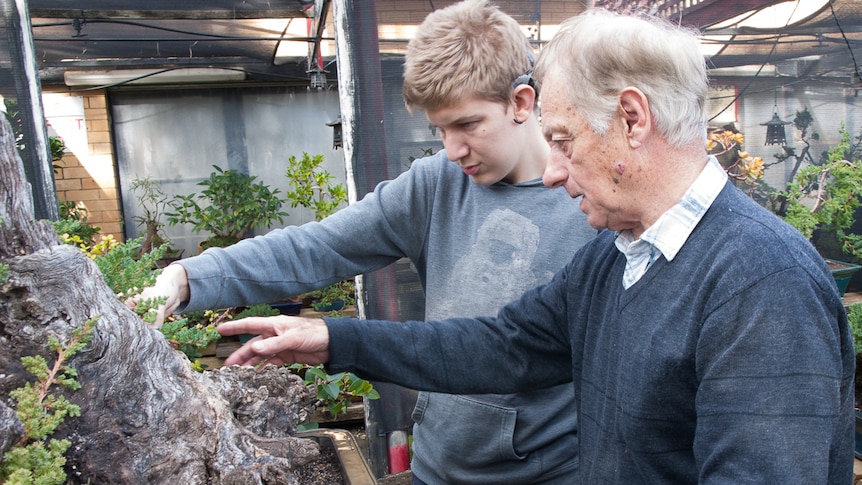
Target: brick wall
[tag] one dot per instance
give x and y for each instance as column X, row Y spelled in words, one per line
column 89, row 178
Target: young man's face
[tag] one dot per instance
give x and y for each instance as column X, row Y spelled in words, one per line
column 480, row 136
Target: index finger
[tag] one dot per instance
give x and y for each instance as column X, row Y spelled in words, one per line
column 254, row 325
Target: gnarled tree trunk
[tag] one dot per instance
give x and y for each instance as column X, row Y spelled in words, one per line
column 146, row 417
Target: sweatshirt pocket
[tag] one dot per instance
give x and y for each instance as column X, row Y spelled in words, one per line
column 462, row 432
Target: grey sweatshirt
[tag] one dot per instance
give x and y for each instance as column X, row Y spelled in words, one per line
column 475, row 249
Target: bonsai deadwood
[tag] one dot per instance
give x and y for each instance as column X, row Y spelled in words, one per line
column 145, row 416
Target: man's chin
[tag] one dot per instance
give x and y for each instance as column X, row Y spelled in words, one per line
column 484, row 179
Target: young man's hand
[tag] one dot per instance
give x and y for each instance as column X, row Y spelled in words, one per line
column 173, row 283
column 280, row 340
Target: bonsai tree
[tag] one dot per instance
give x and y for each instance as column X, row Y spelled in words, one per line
column 334, row 297
column 825, row 197
column 314, row 190
column 854, row 317
column 153, row 203
column 822, row 200
column 776, row 198
column 228, row 207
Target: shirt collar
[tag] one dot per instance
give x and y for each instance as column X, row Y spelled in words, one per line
column 674, row 226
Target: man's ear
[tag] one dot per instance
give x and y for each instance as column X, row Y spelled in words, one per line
column 523, row 101
column 635, row 113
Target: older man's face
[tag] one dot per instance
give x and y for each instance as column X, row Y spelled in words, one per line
column 582, row 161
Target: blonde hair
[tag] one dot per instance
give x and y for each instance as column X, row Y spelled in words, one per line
column 468, row 49
column 600, row 53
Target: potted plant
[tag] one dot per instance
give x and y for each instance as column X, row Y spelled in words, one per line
column 153, row 203
column 822, row 199
column 854, row 316
column 313, row 189
column 228, row 207
column 73, row 227
column 334, row 297
column 725, row 144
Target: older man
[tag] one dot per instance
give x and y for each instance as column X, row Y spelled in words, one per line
column 705, row 338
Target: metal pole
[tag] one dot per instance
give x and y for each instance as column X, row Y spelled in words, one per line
column 27, row 90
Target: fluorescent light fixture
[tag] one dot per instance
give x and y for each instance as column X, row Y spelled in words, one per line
column 151, row 76
column 744, row 71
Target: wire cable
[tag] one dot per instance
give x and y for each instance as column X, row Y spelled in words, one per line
column 849, row 48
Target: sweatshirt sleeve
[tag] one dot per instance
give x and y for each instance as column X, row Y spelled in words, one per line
column 525, row 347
column 362, row 237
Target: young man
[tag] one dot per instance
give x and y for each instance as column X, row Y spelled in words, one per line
column 476, row 221
column 701, row 332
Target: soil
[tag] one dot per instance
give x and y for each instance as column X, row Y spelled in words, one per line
column 323, row 471
column 326, row 469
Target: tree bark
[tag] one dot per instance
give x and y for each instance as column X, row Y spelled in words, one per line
column 146, row 417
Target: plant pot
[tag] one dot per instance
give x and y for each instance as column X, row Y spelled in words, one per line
column 337, row 305
column 292, row 307
column 354, row 468
column 842, row 272
column 171, row 256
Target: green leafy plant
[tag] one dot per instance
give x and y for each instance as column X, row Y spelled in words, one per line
column 335, row 391
column 188, row 337
column 854, row 316
column 314, row 190
column 825, row 197
column 259, row 310
column 189, row 333
column 125, row 269
column 36, row 459
column 333, row 297
column 56, row 145
column 73, row 227
column 313, row 187
column 228, row 207
column 58, row 148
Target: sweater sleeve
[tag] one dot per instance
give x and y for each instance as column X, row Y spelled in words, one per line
column 362, row 237
column 525, row 347
column 768, row 406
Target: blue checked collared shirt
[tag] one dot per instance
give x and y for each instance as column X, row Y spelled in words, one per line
column 672, row 228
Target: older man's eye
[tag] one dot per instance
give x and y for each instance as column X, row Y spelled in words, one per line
column 559, row 141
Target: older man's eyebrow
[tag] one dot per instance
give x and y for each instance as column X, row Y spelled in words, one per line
column 555, row 131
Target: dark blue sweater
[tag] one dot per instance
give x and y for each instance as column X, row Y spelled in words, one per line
column 731, row 364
